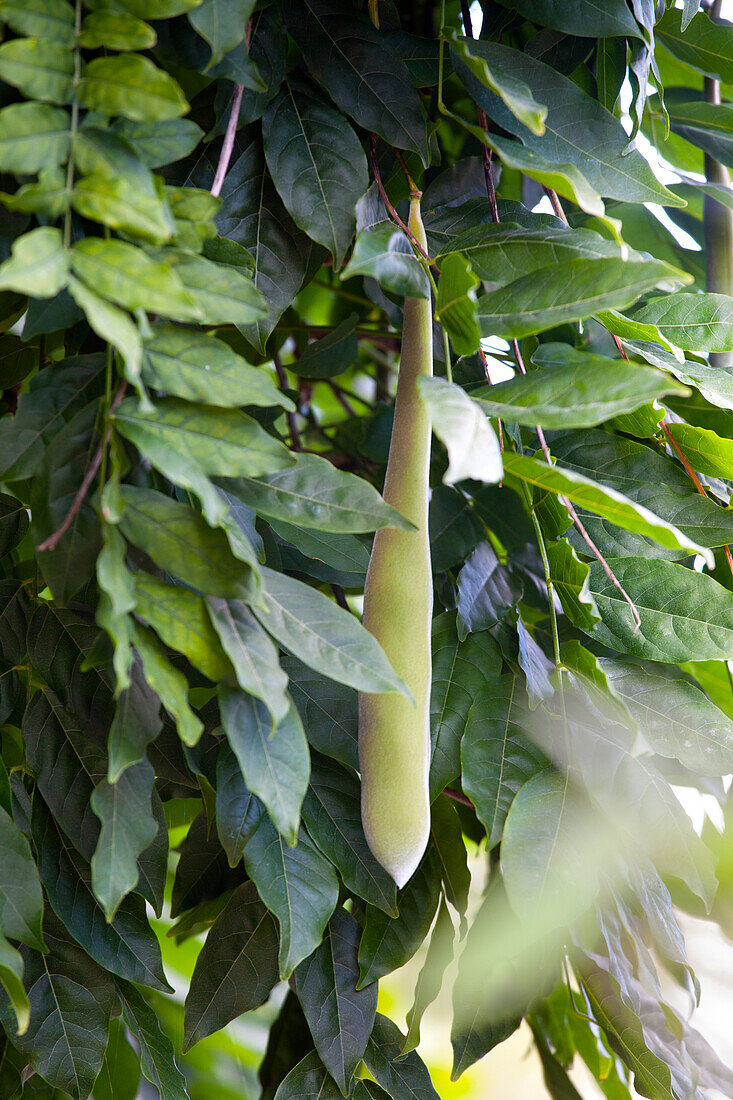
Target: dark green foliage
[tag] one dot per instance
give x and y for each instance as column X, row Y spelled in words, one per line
column 198, row 343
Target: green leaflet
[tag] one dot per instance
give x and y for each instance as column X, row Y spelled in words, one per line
column 314, row 493
column 573, row 389
column 572, row 291
column 318, row 183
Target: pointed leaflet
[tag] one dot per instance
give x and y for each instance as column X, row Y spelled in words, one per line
column 676, row 718
column 39, row 263
column 203, row 873
column 52, row 399
column 544, row 859
column 492, row 71
column 194, row 365
column 473, row 449
column 179, row 617
column 450, row 855
column 275, row 763
column 573, row 390
column 403, row 1077
column 645, row 477
column 638, row 801
column 117, row 596
column 495, row 986
column 459, row 670
column 695, row 322
column 323, row 635
column 297, row 884
column 685, row 616
column 340, row 1017
column 21, row 901
column 238, row 811
column 603, row 500
column 502, row 252
column 135, row 724
column 429, row 983
column 253, row 655
column 129, row 277
column 314, row 493
column 706, row 451
column 127, row 946
column 578, row 130
column 360, row 70
column 571, row 291
column 328, row 709
column 119, row 1076
column 180, row 542
column 236, row 969
column 333, row 354
column 156, row 1050
column 32, row 136
column 317, row 164
column 67, row 765
column 253, row 215
column 332, row 815
column 456, row 304
column 132, row 86
column 128, row 828
column 11, row 981
column 288, row 1042
column 70, row 1004
column 384, row 253
column 497, row 755
column 222, row 23
column 585, row 18
column 224, row 442
column 699, row 41
column 114, row 326
column 388, row 942
column 625, row 1033
column 168, row 682
column 223, row 294
column 308, row 1080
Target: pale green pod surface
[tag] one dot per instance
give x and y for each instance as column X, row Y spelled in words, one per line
column 394, row 734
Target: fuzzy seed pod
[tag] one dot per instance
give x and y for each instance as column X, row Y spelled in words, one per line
column 394, row 734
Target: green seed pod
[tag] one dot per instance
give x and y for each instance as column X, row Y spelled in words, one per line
column 394, row 734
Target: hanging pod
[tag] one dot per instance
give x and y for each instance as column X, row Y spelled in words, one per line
column 394, row 733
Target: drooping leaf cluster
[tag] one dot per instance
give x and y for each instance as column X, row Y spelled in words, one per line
column 201, row 295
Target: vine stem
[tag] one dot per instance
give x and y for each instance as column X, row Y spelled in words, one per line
column 694, row 479
column 225, row 155
column 390, row 208
column 53, row 540
column 290, row 417
column 227, row 147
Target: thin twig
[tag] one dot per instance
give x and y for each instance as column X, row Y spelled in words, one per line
column 458, row 796
column 556, row 204
column 390, row 208
column 694, row 479
column 226, row 150
column 340, row 596
column 405, row 170
column 290, row 417
column 466, row 17
column 53, row 540
column 602, row 561
column 341, row 398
